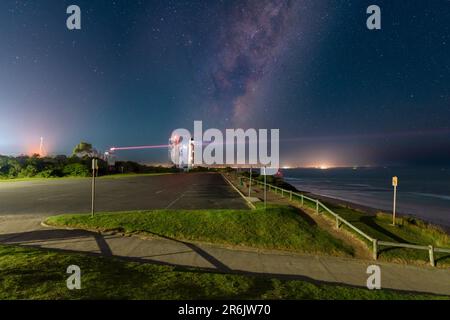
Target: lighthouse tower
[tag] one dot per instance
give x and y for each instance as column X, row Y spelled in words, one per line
column 181, row 152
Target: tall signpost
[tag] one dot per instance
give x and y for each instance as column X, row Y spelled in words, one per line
column 94, row 168
column 394, row 184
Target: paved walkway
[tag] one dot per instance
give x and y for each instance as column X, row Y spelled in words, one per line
column 27, row 230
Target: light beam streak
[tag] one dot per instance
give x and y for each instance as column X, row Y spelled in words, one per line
column 139, row 147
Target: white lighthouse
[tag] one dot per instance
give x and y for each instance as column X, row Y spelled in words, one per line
column 181, row 152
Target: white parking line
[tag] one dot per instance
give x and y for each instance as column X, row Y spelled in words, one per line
column 174, row 201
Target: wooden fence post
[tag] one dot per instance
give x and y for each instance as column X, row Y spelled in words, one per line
column 290, row 196
column 431, row 252
column 317, row 206
column 375, row 249
column 302, row 200
column 337, row 223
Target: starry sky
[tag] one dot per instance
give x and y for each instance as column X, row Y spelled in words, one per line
column 340, row 94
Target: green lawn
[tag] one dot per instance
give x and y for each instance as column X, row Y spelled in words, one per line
column 408, row 230
column 111, row 176
column 279, row 227
column 27, row 273
column 6, row 180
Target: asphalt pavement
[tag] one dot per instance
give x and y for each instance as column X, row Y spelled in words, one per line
column 174, row 191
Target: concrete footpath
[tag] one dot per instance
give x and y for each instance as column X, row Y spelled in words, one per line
column 27, row 230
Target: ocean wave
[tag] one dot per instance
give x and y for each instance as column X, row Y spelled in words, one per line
column 432, row 195
column 358, row 185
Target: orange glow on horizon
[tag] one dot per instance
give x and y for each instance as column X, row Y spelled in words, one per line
column 34, row 148
column 322, row 166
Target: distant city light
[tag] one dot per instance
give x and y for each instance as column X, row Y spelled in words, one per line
column 322, row 166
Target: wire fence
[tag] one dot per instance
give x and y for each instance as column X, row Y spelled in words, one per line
column 317, row 204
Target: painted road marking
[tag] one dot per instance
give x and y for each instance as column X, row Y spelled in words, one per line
column 174, row 201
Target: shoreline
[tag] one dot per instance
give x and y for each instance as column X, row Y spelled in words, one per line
column 363, row 208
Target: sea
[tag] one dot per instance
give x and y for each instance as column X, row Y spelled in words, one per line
column 423, row 192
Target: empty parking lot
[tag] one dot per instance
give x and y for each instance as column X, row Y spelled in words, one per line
column 176, row 191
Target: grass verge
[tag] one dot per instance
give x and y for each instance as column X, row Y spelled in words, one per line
column 40, row 179
column 111, row 176
column 408, row 230
column 27, row 273
column 278, row 227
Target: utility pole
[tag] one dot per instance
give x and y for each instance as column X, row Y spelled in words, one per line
column 394, row 184
column 94, row 168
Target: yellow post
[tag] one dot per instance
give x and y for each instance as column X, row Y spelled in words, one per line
column 394, row 184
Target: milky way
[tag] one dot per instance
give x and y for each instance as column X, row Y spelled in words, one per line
column 252, row 41
column 137, row 70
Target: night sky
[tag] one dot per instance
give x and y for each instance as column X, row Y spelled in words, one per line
column 339, row 93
